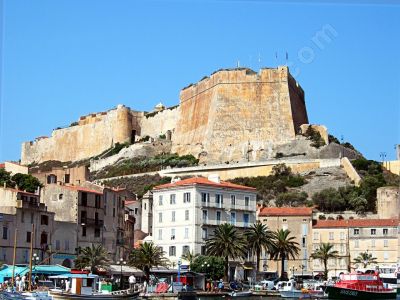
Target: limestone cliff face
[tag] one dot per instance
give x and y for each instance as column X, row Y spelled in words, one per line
column 239, row 114
column 92, row 135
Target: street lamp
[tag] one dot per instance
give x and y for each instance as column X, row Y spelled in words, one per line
column 302, row 270
column 293, row 268
column 35, row 261
column 205, row 266
column 121, row 262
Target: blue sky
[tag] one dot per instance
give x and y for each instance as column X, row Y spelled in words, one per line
column 67, row 58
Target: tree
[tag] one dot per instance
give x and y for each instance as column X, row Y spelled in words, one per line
column 190, row 257
column 284, row 247
column 329, row 200
column 213, row 266
column 259, row 238
column 359, row 204
column 146, row 257
column 365, row 259
column 293, row 199
column 5, row 178
column 26, row 182
column 324, row 253
column 227, row 243
column 93, row 257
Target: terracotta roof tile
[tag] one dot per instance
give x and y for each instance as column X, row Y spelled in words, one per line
column 204, row 181
column 285, row 211
column 2, row 166
column 356, row 223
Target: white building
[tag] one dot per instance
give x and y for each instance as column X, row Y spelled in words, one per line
column 186, row 212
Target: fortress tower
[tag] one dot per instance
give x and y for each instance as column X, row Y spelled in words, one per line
column 239, row 114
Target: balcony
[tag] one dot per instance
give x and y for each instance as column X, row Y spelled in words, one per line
column 239, row 207
column 212, row 204
column 92, row 222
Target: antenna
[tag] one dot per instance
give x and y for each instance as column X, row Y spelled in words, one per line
column 259, row 60
column 238, row 64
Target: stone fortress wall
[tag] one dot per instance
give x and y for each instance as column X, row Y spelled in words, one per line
column 233, row 115
column 239, row 114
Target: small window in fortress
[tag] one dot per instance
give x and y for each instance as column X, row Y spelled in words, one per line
column 66, row 178
column 51, row 179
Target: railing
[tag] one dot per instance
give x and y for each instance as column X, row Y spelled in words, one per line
column 92, row 222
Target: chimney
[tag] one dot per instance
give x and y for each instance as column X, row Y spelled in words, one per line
column 214, row 178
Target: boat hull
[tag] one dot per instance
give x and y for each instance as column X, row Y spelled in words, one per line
column 291, row 294
column 67, row 296
column 343, row 293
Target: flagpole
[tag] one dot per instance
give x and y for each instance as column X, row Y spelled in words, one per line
column 14, row 255
column 30, row 257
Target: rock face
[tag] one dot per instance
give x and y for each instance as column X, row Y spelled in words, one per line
column 239, row 114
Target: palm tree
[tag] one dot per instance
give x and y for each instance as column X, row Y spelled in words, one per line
column 365, row 259
column 324, row 253
column 146, row 257
column 284, row 247
column 190, row 257
column 227, row 243
column 259, row 238
column 93, row 257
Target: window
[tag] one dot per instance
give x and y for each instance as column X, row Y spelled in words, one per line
column 385, row 231
column 32, row 217
column 246, row 201
column 385, row 255
column 66, row 178
column 160, row 234
column 356, row 244
column 246, row 220
column 172, row 233
column 22, row 216
column 341, row 248
column 97, row 232
column 186, row 198
column 84, row 199
column 60, row 196
column 331, row 236
column 204, row 233
column 186, row 215
column 160, row 200
column 186, row 233
column 51, row 179
column 113, row 212
column 316, row 236
column 205, row 215
column 219, row 200
column 172, row 251
column 5, row 232
column 28, row 236
column 385, row 243
column 372, row 243
column 159, row 217
column 44, row 220
column 136, row 210
column 172, row 199
column 233, row 218
column 342, row 236
column 373, row 231
column 58, row 245
column 203, row 250
column 97, row 200
column 284, row 220
column 218, row 217
column 303, row 241
column 356, row 231
column 66, row 245
column 205, row 198
column 173, row 216
column 83, row 230
column 233, row 200
column 185, row 250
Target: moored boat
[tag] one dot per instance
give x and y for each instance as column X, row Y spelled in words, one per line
column 360, row 286
column 241, row 294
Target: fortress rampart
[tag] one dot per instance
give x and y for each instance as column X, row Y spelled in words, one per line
column 238, row 114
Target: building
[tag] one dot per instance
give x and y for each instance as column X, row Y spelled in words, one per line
column 378, row 237
column 299, row 221
column 388, row 202
column 186, row 212
column 20, row 210
column 14, row 167
column 61, row 175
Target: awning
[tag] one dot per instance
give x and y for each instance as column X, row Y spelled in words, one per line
column 126, row 270
column 247, row 267
column 65, row 276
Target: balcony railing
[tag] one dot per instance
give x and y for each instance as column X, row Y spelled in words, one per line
column 92, row 222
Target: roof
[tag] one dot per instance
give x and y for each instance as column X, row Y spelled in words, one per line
column 2, row 166
column 20, row 191
column 6, row 270
column 204, row 181
column 80, row 189
column 285, row 211
column 130, row 201
column 356, row 223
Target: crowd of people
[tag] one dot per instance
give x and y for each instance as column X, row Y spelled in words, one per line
column 20, row 283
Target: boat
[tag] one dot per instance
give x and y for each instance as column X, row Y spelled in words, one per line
column 26, row 295
column 288, row 290
column 241, row 293
column 360, row 286
column 82, row 286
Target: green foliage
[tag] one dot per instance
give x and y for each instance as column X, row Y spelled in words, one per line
column 93, row 257
column 315, row 137
column 162, row 137
column 227, row 242
column 268, row 187
column 189, row 257
column 359, row 204
column 349, row 146
column 293, row 199
column 365, row 259
column 26, row 182
column 284, row 247
column 367, row 167
column 333, row 139
column 146, row 257
column 147, row 164
column 215, row 270
column 74, row 124
column 329, row 200
column 324, row 253
column 144, row 139
column 259, row 238
column 5, row 178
